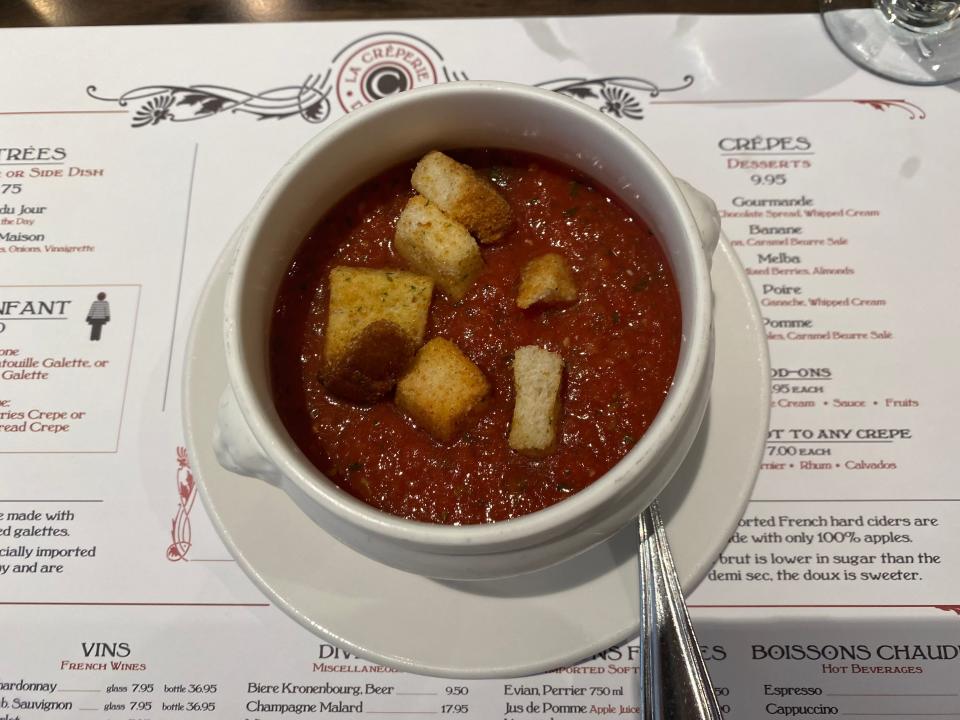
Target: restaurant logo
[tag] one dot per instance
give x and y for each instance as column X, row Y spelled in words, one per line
column 383, row 64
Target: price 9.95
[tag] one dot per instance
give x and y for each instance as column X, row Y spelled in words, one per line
column 769, row 179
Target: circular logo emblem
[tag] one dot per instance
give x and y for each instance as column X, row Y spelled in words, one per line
column 383, row 65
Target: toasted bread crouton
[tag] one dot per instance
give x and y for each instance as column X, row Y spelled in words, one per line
column 376, row 322
column 442, row 389
column 373, row 362
column 536, row 411
column 546, row 280
column 437, row 246
column 464, row 195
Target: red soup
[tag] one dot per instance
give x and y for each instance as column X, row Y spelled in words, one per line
column 619, row 341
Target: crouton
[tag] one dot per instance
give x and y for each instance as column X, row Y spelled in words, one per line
column 376, row 322
column 442, row 389
column 546, row 280
column 437, row 246
column 536, row 411
column 373, row 362
column 464, row 195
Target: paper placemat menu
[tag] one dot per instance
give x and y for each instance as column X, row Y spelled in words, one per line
column 122, row 181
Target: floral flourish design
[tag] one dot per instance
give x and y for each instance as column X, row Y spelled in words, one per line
column 620, row 103
column 151, row 105
column 915, row 112
column 176, row 103
column 153, row 111
column 617, row 96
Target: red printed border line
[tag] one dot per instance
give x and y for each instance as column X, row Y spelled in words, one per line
column 946, row 608
column 913, row 111
column 63, row 112
column 94, row 603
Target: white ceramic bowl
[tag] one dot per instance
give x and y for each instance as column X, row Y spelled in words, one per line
column 250, row 438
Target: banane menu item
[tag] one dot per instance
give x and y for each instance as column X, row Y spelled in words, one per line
column 122, row 183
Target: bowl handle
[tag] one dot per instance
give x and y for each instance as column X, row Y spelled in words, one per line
column 706, row 216
column 236, row 448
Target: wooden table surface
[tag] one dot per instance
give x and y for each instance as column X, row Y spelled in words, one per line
column 33, row 13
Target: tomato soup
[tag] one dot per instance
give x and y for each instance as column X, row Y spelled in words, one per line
column 619, row 341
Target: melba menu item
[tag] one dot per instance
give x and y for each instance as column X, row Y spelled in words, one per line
column 473, row 336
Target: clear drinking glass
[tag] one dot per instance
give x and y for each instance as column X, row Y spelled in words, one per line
column 910, row 41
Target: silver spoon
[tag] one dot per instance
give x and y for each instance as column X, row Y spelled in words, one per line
column 676, row 684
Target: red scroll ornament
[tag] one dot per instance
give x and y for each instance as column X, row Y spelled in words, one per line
column 180, row 532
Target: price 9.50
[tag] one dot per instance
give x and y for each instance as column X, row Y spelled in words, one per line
column 769, row 179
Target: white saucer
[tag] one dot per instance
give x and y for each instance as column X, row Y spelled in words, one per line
column 496, row 628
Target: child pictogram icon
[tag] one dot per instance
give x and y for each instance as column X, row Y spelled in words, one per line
column 98, row 315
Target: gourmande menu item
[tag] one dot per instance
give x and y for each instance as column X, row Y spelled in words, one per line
column 122, row 182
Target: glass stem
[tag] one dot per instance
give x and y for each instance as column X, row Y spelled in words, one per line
column 920, row 15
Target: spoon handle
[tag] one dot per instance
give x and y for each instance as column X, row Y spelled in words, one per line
column 676, row 685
